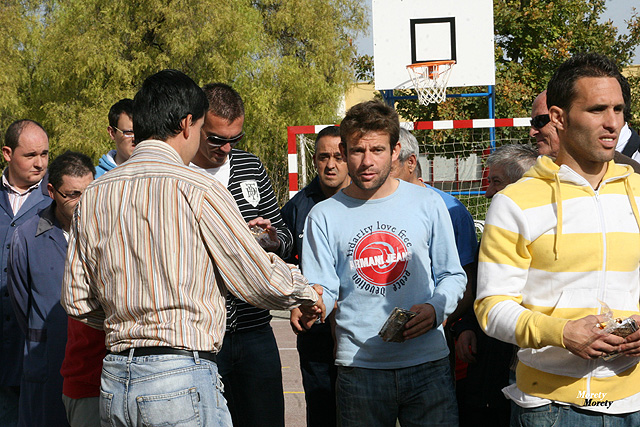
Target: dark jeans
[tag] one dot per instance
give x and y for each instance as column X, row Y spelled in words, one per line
column 9, row 398
column 319, row 373
column 249, row 364
column 417, row 396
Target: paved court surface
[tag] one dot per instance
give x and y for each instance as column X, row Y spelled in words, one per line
column 294, row 404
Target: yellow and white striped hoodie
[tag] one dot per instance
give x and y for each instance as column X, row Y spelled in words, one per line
column 552, row 248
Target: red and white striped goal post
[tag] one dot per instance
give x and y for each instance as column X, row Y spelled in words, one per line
column 294, row 131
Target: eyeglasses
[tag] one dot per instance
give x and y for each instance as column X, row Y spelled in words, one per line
column 219, row 141
column 125, row 133
column 71, row 196
column 540, row 121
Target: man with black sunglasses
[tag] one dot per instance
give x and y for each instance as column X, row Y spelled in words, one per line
column 249, row 359
column 541, row 127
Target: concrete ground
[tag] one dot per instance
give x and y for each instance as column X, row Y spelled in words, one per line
column 294, row 404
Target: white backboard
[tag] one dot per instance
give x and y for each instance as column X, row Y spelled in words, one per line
column 410, row 31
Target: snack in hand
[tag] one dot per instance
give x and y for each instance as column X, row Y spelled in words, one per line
column 394, row 326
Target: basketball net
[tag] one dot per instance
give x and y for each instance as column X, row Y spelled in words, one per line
column 430, row 80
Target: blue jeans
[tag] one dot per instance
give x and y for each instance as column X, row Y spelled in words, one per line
column 570, row 416
column 419, row 395
column 161, row 390
column 249, row 364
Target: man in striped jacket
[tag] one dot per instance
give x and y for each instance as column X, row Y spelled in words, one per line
column 560, row 247
column 249, row 359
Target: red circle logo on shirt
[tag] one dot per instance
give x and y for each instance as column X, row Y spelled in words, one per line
column 380, row 258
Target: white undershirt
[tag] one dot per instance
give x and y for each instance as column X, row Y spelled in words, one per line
column 221, row 174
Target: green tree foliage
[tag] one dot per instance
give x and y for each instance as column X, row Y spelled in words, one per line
column 533, row 37
column 20, row 29
column 289, row 59
column 363, row 67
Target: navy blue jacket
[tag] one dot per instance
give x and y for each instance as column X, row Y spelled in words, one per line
column 294, row 214
column 316, row 345
column 11, row 339
column 36, row 267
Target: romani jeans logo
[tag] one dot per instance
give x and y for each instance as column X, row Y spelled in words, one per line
column 595, row 399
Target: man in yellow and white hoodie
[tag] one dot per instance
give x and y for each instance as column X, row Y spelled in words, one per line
column 557, row 244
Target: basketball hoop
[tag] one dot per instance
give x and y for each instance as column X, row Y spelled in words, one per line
column 430, row 80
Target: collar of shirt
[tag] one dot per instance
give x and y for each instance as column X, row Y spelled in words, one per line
column 314, row 187
column 47, row 219
column 15, row 190
column 157, row 148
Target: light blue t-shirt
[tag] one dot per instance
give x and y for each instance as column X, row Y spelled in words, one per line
column 374, row 255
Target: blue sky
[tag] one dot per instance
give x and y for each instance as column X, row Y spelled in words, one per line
column 617, row 11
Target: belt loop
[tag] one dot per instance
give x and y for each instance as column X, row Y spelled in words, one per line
column 196, row 357
column 131, row 350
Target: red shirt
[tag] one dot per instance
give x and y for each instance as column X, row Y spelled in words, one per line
column 82, row 364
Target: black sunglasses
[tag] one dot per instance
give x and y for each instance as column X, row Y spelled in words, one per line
column 71, row 196
column 540, row 121
column 220, row 141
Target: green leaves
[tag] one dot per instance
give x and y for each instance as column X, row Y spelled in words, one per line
column 66, row 62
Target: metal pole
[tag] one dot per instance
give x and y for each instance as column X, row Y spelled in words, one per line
column 388, row 97
column 492, row 114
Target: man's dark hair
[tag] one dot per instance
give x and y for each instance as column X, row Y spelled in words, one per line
column 224, row 101
column 123, row 106
column 70, row 163
column 12, row 135
column 368, row 117
column 164, row 100
column 561, row 90
column 328, row 131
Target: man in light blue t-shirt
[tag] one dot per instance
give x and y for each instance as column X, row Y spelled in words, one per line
column 378, row 244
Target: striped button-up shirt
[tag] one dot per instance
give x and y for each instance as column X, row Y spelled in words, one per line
column 153, row 248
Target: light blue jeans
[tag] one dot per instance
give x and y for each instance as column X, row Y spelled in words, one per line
column 161, row 390
column 569, row 416
column 421, row 395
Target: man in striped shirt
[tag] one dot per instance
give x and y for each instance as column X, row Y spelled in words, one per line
column 154, row 247
column 249, row 358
